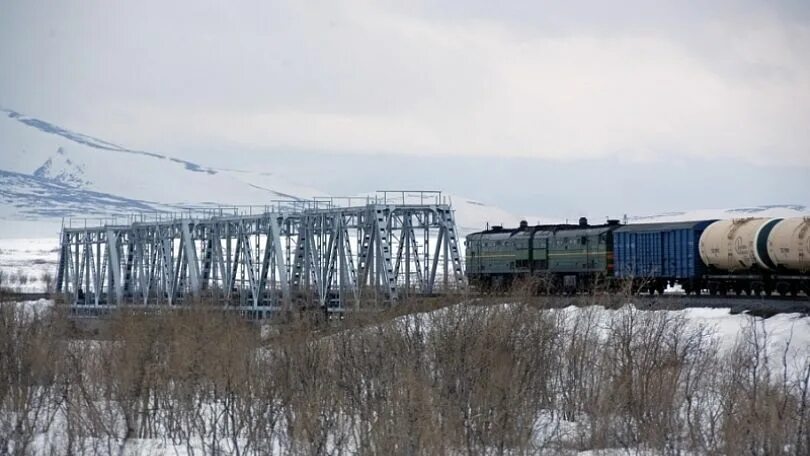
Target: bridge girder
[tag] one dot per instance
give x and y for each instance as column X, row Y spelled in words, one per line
column 336, row 258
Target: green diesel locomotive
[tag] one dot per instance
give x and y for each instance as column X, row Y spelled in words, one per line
column 564, row 257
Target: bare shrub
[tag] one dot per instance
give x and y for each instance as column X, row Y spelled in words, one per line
column 647, row 358
column 29, row 370
column 47, row 281
column 492, row 370
column 22, row 277
column 575, row 377
column 212, row 372
column 466, row 379
column 764, row 412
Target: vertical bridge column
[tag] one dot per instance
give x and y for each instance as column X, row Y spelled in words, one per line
column 114, row 266
column 192, row 262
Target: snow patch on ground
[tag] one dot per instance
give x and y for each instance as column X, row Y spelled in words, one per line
column 25, row 262
column 32, row 308
column 788, row 331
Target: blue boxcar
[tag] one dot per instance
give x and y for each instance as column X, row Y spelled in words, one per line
column 666, row 251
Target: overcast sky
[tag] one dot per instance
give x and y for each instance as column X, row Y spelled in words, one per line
column 575, row 89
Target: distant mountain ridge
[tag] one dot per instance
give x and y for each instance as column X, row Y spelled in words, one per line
column 47, row 127
column 769, row 210
column 27, row 197
column 49, row 172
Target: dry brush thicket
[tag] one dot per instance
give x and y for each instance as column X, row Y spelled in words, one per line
column 465, row 379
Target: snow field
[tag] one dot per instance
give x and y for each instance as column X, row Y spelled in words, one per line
column 25, row 262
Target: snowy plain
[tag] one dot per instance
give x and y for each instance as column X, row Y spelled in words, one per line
column 24, row 263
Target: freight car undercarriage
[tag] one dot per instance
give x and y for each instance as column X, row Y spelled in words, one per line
column 756, row 284
column 712, row 284
column 552, row 283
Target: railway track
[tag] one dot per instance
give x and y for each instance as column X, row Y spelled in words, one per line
column 754, row 305
column 15, row 296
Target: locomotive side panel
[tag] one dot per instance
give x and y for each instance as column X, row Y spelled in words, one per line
column 496, row 257
column 580, row 251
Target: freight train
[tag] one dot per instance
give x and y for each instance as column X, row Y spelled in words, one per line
column 743, row 256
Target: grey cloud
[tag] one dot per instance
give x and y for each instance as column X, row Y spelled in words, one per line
column 565, row 81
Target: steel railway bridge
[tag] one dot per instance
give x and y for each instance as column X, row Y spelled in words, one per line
column 334, row 253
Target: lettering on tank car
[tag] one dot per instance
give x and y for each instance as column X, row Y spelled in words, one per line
column 740, row 247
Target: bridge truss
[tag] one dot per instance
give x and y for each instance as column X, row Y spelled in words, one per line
column 318, row 253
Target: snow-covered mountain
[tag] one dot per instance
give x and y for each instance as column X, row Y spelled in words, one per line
column 62, row 169
column 32, row 197
column 474, row 216
column 35, row 146
column 49, row 172
column 769, row 211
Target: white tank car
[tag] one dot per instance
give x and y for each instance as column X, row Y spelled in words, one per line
column 736, row 245
column 789, row 244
